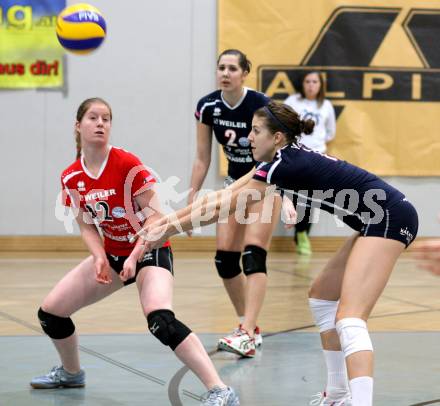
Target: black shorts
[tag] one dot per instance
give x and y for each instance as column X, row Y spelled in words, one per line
column 400, row 222
column 161, row 257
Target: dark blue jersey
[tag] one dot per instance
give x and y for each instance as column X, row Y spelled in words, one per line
column 354, row 195
column 231, row 126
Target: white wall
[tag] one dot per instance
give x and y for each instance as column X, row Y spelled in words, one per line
column 157, row 61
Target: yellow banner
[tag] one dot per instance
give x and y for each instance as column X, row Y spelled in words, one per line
column 30, row 54
column 380, row 61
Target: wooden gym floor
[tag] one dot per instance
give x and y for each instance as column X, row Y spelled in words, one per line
column 127, row 366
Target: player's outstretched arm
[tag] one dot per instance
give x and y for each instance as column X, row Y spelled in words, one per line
column 149, row 205
column 93, row 240
column 207, row 210
column 199, row 204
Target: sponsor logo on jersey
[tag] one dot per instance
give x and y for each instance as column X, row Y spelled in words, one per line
column 113, row 236
column 81, row 186
column 239, row 159
column 229, row 124
column 101, row 194
column 244, row 142
column 118, row 212
column 119, row 227
column 217, row 112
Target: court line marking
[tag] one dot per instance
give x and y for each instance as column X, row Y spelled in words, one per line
column 294, row 273
column 92, row 353
column 379, row 316
column 407, row 302
column 173, row 387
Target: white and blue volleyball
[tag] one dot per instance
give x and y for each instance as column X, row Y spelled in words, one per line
column 81, row 28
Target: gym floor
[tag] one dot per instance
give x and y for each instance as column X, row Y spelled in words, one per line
column 125, row 365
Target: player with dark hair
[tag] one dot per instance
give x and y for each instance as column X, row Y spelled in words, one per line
column 343, row 295
column 227, row 112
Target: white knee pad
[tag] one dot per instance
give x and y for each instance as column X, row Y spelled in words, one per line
column 324, row 313
column 353, row 335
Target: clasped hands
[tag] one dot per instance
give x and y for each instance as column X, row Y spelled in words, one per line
column 153, row 236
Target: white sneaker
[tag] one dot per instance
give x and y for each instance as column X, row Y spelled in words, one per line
column 258, row 337
column 58, row 377
column 321, row 399
column 220, row 397
column 239, row 343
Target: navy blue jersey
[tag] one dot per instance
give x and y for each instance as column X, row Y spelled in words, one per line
column 231, row 126
column 354, row 195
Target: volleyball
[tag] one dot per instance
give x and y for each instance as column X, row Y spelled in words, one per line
column 81, row 28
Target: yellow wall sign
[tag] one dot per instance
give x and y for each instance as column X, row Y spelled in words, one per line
column 30, row 55
column 381, row 67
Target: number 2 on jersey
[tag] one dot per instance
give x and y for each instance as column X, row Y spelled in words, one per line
column 231, row 135
column 99, row 206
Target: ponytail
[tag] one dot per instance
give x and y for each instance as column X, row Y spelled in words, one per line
column 306, row 126
column 78, row 144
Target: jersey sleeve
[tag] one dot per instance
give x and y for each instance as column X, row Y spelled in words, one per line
column 263, row 100
column 263, row 172
column 70, row 196
column 203, row 111
column 269, row 172
column 66, row 199
column 139, row 178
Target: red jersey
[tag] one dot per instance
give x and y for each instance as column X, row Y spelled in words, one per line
column 109, row 197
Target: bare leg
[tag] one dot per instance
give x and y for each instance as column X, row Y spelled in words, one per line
column 255, row 292
column 155, row 287
column 67, row 349
column 229, row 238
column 368, row 269
column 327, row 286
column 192, row 353
column 259, row 233
column 76, row 290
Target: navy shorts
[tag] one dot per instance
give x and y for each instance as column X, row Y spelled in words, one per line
column 161, row 257
column 400, row 222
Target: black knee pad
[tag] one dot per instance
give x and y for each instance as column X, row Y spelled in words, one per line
column 227, row 264
column 166, row 328
column 254, row 260
column 55, row 326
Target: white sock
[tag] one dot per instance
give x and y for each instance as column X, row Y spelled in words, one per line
column 337, row 382
column 362, row 391
column 241, row 319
